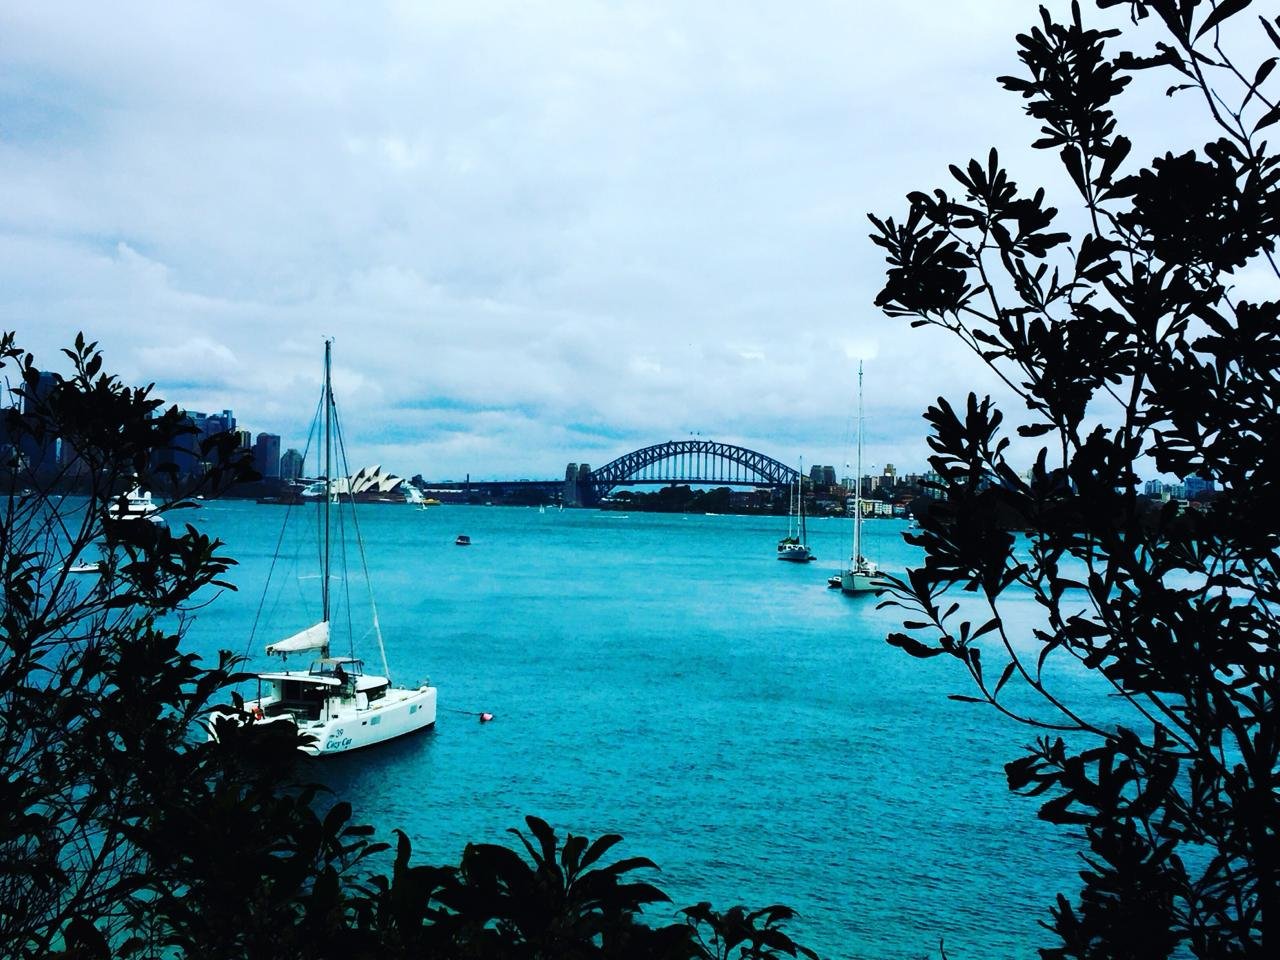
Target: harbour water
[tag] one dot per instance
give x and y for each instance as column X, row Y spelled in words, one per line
column 665, row 678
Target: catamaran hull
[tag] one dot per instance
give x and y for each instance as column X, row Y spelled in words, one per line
column 347, row 728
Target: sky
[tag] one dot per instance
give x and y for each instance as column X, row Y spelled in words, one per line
column 537, row 233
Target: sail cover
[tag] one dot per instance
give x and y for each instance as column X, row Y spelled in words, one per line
column 312, row 638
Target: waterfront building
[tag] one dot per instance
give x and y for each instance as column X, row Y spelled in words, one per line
column 290, row 464
column 185, row 454
column 40, row 453
column 1197, row 487
column 266, row 455
column 215, row 423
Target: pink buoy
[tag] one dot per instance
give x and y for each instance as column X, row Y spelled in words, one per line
column 486, row 717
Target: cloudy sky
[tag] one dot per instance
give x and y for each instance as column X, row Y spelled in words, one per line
column 537, row 232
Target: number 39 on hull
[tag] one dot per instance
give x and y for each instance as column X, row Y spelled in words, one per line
column 341, row 707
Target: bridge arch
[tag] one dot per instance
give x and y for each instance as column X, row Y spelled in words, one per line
column 690, row 461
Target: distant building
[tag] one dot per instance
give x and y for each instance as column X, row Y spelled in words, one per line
column 266, row 456
column 40, row 453
column 216, row 423
column 1197, row 487
column 290, row 464
column 1153, row 488
column 185, row 454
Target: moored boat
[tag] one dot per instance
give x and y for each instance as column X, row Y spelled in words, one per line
column 136, row 504
column 862, row 575
column 334, row 702
column 794, row 546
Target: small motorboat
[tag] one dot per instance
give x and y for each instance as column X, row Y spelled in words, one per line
column 95, row 567
column 834, row 583
column 462, row 541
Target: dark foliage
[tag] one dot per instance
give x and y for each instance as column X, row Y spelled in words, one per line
column 1124, row 342
column 126, row 831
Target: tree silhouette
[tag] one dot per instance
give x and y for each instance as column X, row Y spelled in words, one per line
column 1123, row 342
column 125, row 830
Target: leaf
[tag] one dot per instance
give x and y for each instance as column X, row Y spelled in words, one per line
column 1071, row 159
column 1264, row 71
column 1004, row 678
column 912, row 646
column 1270, row 117
column 598, row 848
column 1116, row 152
column 1271, row 31
column 1225, row 9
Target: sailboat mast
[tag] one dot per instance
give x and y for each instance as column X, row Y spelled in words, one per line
column 328, row 477
column 791, row 509
column 857, row 500
column 804, row 536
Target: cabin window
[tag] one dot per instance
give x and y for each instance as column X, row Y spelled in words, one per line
column 376, row 693
column 374, row 721
column 303, row 699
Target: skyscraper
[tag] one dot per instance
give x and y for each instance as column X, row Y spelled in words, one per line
column 266, row 456
column 40, row 453
column 1197, row 487
column 185, row 454
column 290, row 465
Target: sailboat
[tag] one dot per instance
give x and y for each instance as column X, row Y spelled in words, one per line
column 862, row 575
column 794, row 546
column 334, row 701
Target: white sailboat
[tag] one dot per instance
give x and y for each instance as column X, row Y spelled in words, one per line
column 862, row 575
column 339, row 706
column 795, row 545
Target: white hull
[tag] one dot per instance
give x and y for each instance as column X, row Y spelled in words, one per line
column 137, row 505
column 852, row 581
column 796, row 554
column 351, row 723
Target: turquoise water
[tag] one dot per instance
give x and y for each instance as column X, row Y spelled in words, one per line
column 664, row 677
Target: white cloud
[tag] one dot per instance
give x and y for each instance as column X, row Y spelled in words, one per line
column 549, row 226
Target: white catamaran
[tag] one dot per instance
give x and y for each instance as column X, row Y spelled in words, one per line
column 334, row 701
column 863, row 574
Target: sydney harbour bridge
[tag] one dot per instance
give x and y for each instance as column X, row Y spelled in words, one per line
column 676, row 461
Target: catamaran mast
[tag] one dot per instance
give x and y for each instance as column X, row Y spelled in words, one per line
column 857, row 500
column 328, row 481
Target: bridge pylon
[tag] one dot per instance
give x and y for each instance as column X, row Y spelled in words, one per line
column 579, row 491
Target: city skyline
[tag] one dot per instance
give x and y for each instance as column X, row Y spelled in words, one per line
column 536, row 235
